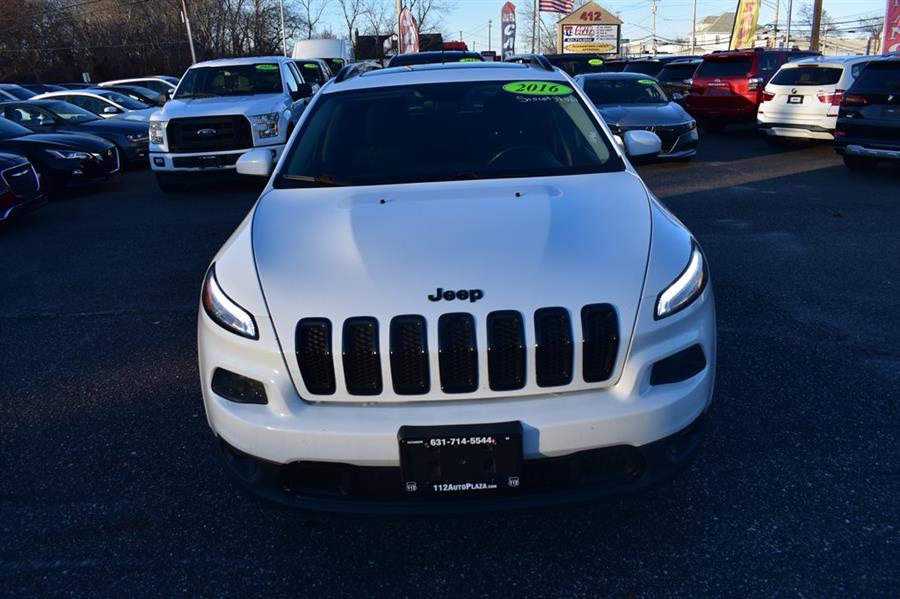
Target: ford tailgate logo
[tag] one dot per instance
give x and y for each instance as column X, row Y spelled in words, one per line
column 206, row 132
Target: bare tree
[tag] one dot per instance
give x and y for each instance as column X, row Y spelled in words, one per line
column 311, row 11
column 352, row 10
column 429, row 14
column 807, row 16
column 547, row 31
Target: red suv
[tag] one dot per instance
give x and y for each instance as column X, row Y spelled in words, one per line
column 728, row 86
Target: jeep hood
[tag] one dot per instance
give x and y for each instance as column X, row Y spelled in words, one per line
column 223, row 105
column 380, row 251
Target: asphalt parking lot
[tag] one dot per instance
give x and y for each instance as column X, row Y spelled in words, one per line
column 111, row 484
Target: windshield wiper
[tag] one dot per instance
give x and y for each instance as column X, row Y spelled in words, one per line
column 324, row 180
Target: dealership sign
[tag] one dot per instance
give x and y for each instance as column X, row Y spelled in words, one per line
column 589, row 29
column 892, row 27
column 508, row 31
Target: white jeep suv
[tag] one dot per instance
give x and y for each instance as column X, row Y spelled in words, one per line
column 455, row 293
column 221, row 109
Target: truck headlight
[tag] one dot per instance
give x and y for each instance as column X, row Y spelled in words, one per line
column 686, row 288
column 158, row 132
column 266, row 124
column 224, row 311
column 69, row 155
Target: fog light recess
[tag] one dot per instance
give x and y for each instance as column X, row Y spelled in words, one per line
column 237, row 388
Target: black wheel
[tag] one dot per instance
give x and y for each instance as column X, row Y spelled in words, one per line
column 859, row 163
column 713, row 126
column 168, row 184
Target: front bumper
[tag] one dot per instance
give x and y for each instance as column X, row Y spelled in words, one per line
column 204, row 162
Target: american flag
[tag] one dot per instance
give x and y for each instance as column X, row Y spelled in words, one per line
column 563, row 6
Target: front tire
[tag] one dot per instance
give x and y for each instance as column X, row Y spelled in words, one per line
column 168, row 183
column 859, row 163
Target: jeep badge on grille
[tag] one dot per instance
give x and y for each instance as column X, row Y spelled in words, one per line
column 473, row 295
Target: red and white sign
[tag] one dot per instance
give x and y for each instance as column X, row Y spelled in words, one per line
column 891, row 28
column 409, row 33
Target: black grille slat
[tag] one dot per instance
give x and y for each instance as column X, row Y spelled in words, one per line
column 458, row 353
column 314, row 357
column 362, row 360
column 554, row 350
column 231, row 133
column 410, row 371
column 506, row 350
column 600, row 332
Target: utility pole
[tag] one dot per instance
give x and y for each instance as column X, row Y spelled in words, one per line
column 397, row 22
column 187, row 24
column 653, row 10
column 489, row 34
column 777, row 7
column 816, row 26
column 694, row 27
column 460, row 35
column 787, row 41
column 283, row 36
column 534, row 26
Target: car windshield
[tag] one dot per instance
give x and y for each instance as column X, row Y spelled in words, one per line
column 20, row 93
column 71, row 113
column 447, row 132
column 624, row 91
column 812, row 75
column 677, row 72
column 9, row 129
column 738, row 66
column 311, row 71
column 578, row 65
column 402, row 60
column 880, row 75
column 649, row 67
column 234, row 80
column 122, row 100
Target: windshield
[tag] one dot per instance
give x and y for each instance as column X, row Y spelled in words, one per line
column 402, row 60
column 880, row 75
column 726, row 67
column 19, row 93
column 647, row 68
column 677, row 72
column 71, row 113
column 578, row 65
column 9, row 129
column 624, row 91
column 807, row 76
column 311, row 71
column 235, row 80
column 123, row 100
column 446, row 132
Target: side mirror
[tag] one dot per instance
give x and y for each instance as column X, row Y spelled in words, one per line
column 256, row 163
column 110, row 110
column 642, row 145
column 304, row 90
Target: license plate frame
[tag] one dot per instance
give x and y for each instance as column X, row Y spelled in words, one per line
column 795, row 99
column 212, row 161
column 461, row 459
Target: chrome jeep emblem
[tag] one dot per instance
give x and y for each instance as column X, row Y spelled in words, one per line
column 206, row 132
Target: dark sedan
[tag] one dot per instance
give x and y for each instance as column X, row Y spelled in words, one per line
column 629, row 101
column 61, row 158
column 55, row 116
column 20, row 187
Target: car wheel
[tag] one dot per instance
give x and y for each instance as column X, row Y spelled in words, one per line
column 859, row 163
column 713, row 126
column 168, row 184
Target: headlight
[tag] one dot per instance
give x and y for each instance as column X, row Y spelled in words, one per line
column 266, row 124
column 137, row 138
column 224, row 311
column 69, row 155
column 158, row 132
column 686, row 288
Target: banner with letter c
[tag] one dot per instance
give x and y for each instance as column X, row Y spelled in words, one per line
column 891, row 38
column 743, row 35
column 508, row 30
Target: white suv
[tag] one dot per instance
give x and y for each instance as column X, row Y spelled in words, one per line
column 455, row 293
column 802, row 99
column 221, row 109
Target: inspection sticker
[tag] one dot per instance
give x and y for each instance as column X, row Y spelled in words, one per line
column 595, row 62
column 267, row 67
column 537, row 88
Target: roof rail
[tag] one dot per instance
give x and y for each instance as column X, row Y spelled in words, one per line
column 348, row 72
column 540, row 61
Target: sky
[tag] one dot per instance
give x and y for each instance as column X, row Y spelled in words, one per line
column 673, row 17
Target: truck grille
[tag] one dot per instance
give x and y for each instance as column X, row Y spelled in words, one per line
column 668, row 135
column 219, row 133
column 457, row 345
column 21, row 180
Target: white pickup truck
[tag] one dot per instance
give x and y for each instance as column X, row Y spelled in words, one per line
column 221, row 109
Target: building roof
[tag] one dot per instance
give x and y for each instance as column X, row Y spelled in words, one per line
column 722, row 23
